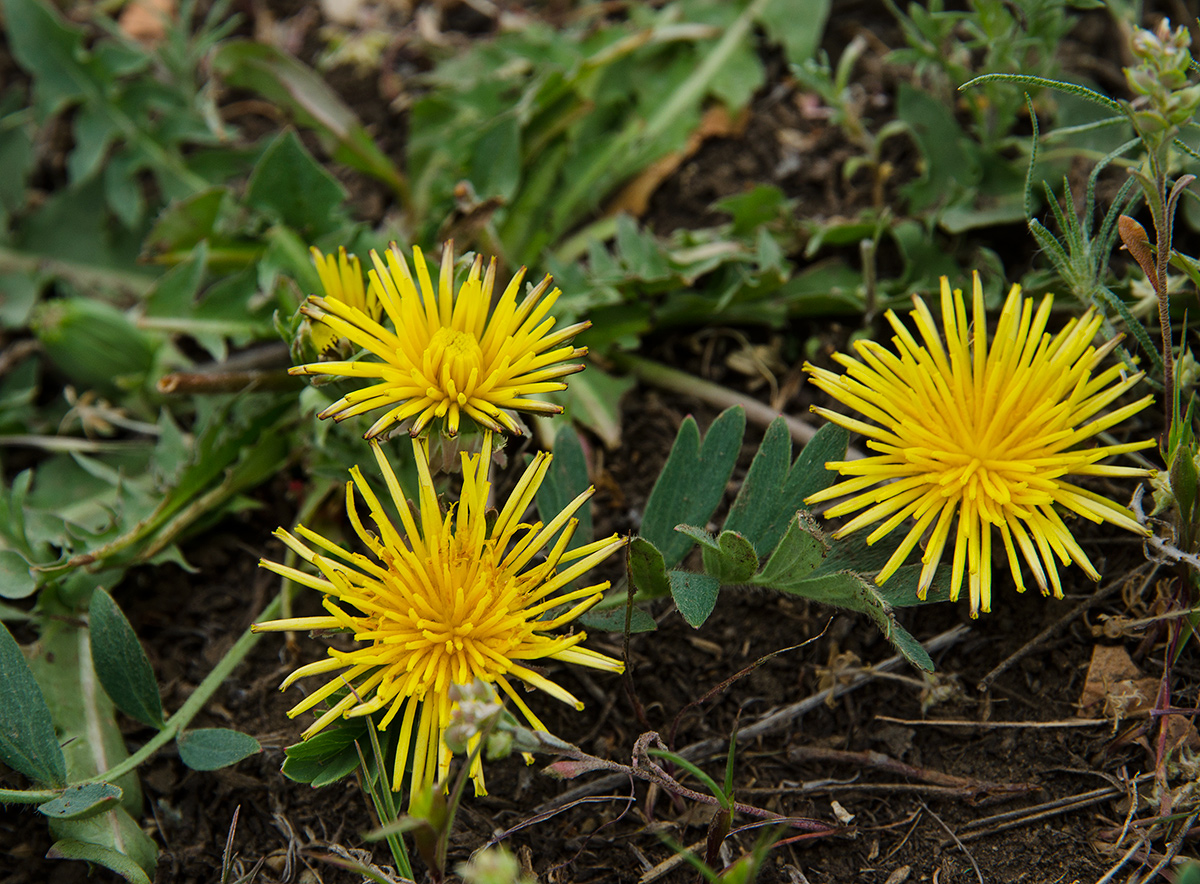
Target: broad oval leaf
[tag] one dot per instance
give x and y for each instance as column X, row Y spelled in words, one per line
column 81, row 802
column 695, row 595
column 211, row 748
column 121, row 663
column 613, row 620
column 16, row 579
column 27, row 740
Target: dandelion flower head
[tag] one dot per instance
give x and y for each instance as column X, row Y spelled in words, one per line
column 974, row 441
column 448, row 356
column 443, row 599
column 342, row 281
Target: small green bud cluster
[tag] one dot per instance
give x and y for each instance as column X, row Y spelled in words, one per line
column 493, row 866
column 476, row 707
column 1166, row 98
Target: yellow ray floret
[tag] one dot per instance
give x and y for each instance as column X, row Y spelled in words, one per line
column 447, row 356
column 342, row 281
column 975, row 441
column 443, row 599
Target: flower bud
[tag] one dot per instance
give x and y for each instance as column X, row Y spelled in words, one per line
column 94, row 344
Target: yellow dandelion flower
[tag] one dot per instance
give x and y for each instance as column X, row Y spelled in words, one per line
column 342, row 281
column 446, row 600
column 987, row 435
column 448, row 356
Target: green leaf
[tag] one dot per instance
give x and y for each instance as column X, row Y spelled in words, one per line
column 326, row 757
column 910, row 649
column 730, row 557
column 566, row 479
column 110, row 859
column 647, row 569
column 211, row 748
column 692, row 482
column 49, row 50
column 81, row 802
column 695, row 596
column 293, row 188
column 797, row 555
column 16, row 579
column 613, row 620
column 288, row 83
column 951, row 167
column 754, row 508
column 185, row 223
column 807, row 476
column 498, row 159
column 28, row 743
column 798, row 28
column 17, row 159
column 121, row 663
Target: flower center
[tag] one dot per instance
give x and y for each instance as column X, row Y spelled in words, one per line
column 456, row 357
column 463, row 627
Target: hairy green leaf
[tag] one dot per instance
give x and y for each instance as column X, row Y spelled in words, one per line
column 692, row 482
column 695, row 595
column 120, row 662
column 647, row 569
column 211, row 748
column 27, row 740
column 81, row 802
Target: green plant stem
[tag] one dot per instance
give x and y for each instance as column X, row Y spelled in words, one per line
column 173, row 725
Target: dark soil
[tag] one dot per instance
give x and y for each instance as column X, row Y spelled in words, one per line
column 908, row 824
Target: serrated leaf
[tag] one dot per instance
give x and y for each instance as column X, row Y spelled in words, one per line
column 81, row 802
column 795, row 558
column 692, row 482
column 613, row 620
column 695, row 595
column 121, row 663
column 647, row 569
column 27, row 740
column 211, row 748
column 110, row 859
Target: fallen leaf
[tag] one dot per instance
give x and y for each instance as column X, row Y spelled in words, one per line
column 634, row 197
column 1115, row 687
column 146, row 20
